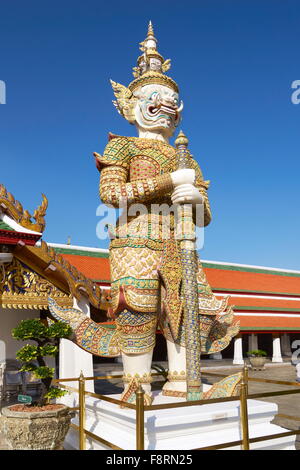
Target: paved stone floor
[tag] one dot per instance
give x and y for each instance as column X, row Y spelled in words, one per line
column 287, row 404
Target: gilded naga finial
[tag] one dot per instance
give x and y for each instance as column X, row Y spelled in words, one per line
column 14, row 209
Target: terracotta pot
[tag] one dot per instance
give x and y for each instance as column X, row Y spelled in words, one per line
column 36, row 430
column 257, row 362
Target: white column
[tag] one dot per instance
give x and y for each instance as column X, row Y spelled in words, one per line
column 2, row 351
column 286, row 345
column 73, row 360
column 238, row 350
column 276, row 349
column 2, row 368
column 253, row 343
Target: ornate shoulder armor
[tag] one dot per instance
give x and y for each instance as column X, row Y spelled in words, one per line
column 116, row 152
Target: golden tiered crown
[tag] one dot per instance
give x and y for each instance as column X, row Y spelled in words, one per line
column 151, row 68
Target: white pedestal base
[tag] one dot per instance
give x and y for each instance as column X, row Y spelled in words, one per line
column 179, row 428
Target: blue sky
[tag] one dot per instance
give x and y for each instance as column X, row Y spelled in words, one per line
column 234, row 61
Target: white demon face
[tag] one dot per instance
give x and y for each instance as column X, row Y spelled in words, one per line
column 157, row 109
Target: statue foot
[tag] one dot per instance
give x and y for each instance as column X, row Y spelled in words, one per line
column 129, row 394
column 176, row 385
column 137, row 372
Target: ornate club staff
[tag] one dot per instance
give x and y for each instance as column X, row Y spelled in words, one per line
column 187, row 237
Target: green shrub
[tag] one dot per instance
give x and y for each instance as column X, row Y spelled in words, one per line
column 47, row 339
column 256, row 353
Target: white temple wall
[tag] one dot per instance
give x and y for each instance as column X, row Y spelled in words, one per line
column 9, row 319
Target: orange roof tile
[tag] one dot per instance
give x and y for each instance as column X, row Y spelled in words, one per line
column 252, row 281
column 269, row 323
column 220, row 278
column 95, row 268
column 262, row 302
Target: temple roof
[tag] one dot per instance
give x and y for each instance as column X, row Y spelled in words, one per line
column 223, row 276
column 5, row 226
column 11, row 232
column 264, row 298
column 45, row 261
column 22, row 231
column 92, row 262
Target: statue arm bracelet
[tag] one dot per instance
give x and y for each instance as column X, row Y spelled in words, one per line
column 114, row 189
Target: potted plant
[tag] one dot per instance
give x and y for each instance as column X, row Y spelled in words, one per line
column 257, row 358
column 42, row 424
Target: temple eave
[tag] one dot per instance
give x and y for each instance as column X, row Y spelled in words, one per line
column 10, row 237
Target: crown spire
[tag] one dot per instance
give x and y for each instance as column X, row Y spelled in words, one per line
column 150, row 29
column 151, row 66
column 150, row 42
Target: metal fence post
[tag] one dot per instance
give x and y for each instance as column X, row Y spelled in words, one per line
column 140, row 419
column 244, row 409
column 246, row 375
column 82, row 440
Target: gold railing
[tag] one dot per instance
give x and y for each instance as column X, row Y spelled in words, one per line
column 140, row 410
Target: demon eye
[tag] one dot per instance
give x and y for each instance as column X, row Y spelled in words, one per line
column 155, row 96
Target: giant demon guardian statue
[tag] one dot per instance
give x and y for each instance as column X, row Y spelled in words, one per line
column 148, row 287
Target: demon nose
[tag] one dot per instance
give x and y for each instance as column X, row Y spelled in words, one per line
column 169, row 100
